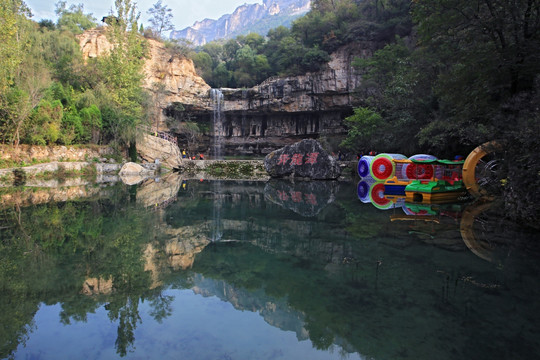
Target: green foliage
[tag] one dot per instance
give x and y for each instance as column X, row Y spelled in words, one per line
column 398, row 81
column 365, row 128
column 221, row 76
column 314, row 58
column 203, row 63
column 91, row 122
column 485, row 52
column 73, row 18
column 12, row 14
column 161, row 18
column 122, row 71
column 44, row 127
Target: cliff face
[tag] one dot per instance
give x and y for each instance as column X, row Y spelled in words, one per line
column 177, row 74
column 282, row 111
column 275, row 113
column 329, row 89
column 240, row 21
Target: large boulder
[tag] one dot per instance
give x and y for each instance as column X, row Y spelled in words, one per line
column 305, row 159
column 151, row 148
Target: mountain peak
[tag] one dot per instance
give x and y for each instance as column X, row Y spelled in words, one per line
column 245, row 18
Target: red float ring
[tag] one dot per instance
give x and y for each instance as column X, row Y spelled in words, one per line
column 419, row 171
column 377, row 195
column 382, row 168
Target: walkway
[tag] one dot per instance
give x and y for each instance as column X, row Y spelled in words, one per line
column 160, row 134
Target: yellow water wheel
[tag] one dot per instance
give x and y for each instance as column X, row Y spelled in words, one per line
column 477, row 244
column 480, row 170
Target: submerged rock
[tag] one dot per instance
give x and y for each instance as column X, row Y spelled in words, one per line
column 305, row 159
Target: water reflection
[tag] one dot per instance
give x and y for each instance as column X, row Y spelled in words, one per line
column 306, row 198
column 344, row 277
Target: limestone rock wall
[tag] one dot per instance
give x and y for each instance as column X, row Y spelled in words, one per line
column 282, row 111
column 176, row 73
column 29, row 153
column 275, row 113
column 333, row 87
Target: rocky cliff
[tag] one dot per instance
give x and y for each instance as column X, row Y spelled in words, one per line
column 245, row 18
column 273, row 114
column 282, row 111
column 176, row 73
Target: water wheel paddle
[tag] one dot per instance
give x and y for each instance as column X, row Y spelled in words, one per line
column 480, row 170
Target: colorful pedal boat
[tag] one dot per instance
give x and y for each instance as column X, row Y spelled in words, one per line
column 439, row 191
column 445, row 185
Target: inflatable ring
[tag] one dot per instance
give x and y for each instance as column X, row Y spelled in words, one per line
column 382, row 167
column 364, row 165
column 419, row 171
column 362, row 190
column 377, row 197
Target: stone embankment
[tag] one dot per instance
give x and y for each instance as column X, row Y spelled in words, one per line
column 35, row 153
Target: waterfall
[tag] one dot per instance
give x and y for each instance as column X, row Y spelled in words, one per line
column 217, row 227
column 244, row 129
column 217, row 98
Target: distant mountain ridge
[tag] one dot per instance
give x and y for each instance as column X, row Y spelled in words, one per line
column 246, row 18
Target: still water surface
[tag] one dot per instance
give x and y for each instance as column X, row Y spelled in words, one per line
column 254, row 270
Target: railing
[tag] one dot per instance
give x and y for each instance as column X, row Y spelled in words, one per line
column 160, row 134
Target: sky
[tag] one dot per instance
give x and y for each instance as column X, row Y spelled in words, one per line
column 185, row 12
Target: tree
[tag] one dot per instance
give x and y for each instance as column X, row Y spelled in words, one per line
column 221, row 76
column 73, row 18
column 159, row 93
column 122, row 73
column 364, row 130
column 203, row 63
column 190, row 132
column 161, row 18
column 485, row 52
column 12, row 44
column 44, row 127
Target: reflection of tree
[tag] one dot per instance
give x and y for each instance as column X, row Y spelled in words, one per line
column 126, row 311
column 47, row 252
column 321, row 337
column 16, row 319
column 161, row 307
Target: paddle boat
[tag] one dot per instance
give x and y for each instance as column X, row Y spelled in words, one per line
column 444, row 185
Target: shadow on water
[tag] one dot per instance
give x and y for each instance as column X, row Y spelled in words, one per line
column 308, row 258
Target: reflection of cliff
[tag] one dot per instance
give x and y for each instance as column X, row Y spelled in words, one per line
column 247, row 216
column 97, row 286
column 275, row 312
column 160, row 192
column 44, row 195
